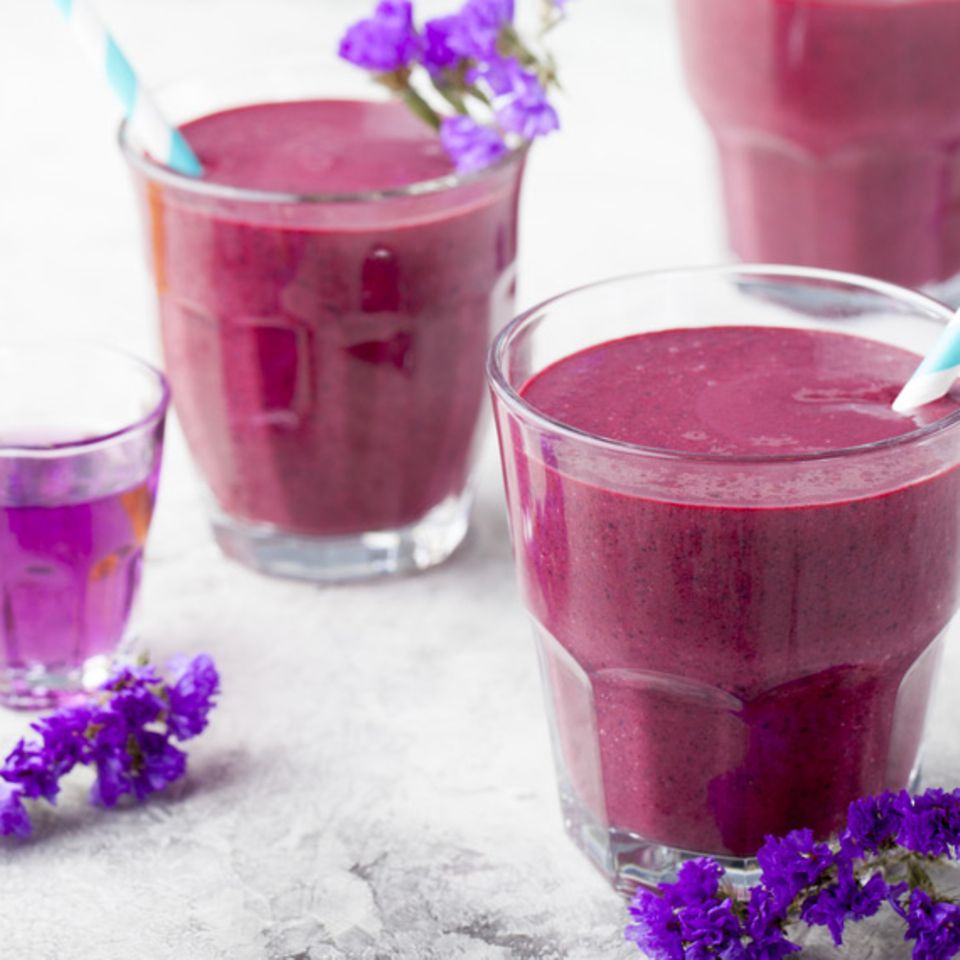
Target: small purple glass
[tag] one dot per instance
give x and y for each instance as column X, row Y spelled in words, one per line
column 81, row 440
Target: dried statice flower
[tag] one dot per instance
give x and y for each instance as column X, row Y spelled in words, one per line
column 124, row 731
column 385, row 41
column 878, row 861
column 487, row 88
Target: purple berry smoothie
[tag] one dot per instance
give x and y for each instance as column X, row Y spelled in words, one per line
column 751, row 652
column 326, row 358
column 838, row 129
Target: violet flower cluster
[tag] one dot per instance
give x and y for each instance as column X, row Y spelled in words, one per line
column 475, row 61
column 125, row 731
column 879, row 860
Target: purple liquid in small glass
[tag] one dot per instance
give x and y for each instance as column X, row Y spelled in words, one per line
column 81, row 440
column 69, row 576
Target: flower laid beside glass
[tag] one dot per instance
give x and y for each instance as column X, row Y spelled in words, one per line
column 125, row 731
column 328, row 288
column 882, row 858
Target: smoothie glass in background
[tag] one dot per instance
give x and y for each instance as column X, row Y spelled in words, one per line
column 739, row 622
column 81, row 438
column 327, row 293
column 837, row 124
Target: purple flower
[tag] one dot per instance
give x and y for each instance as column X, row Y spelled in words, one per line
column 655, row 928
column 471, row 34
column 484, row 20
column 872, row 822
column 125, row 733
column 470, row 145
column 792, row 864
column 64, row 737
column 135, row 704
column 712, row 929
column 27, row 766
column 157, row 762
column 689, row 920
column 190, row 697
column 697, row 881
column 764, row 925
column 442, row 38
column 528, row 112
column 14, row 819
column 502, row 75
column 843, row 900
column 384, row 42
column 933, row 925
column 929, row 822
column 112, row 780
column 37, row 766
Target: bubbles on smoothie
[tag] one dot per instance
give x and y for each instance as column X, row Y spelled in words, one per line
column 774, row 442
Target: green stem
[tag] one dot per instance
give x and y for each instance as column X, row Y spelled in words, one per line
column 398, row 82
column 453, row 96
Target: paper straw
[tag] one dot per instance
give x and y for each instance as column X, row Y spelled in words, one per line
column 147, row 125
column 936, row 373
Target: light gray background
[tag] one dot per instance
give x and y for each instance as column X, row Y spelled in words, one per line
column 377, row 781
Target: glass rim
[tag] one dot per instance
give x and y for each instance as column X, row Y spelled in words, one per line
column 521, row 407
column 67, row 447
column 157, row 171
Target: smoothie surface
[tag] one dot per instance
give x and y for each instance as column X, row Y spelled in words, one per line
column 317, row 146
column 735, row 391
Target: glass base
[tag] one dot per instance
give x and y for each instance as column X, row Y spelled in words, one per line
column 40, row 688
column 629, row 861
column 360, row 556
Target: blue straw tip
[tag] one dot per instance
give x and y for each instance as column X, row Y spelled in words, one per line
column 182, row 158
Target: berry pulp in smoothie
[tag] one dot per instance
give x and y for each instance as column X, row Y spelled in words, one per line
column 326, row 356
column 837, row 124
column 739, row 627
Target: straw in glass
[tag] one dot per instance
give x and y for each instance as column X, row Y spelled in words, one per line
column 147, row 125
column 936, row 373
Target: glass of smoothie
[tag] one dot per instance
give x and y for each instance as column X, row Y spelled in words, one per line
column 739, row 562
column 837, row 124
column 327, row 294
column 81, row 438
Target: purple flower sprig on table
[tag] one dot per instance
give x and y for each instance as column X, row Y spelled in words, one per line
column 880, row 859
column 124, row 730
column 470, row 75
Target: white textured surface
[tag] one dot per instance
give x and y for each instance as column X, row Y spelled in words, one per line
column 377, row 782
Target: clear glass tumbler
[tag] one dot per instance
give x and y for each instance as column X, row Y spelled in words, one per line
column 326, row 350
column 731, row 645
column 81, row 439
column 837, row 127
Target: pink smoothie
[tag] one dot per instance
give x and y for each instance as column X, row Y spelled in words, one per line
column 838, row 129
column 753, row 649
column 326, row 358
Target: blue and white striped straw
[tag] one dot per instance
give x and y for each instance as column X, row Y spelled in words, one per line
column 936, row 373
column 147, row 125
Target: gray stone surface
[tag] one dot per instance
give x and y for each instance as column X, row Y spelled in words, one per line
column 377, row 782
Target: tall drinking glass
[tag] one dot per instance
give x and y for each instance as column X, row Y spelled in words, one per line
column 325, row 341
column 739, row 619
column 81, row 438
column 837, row 124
